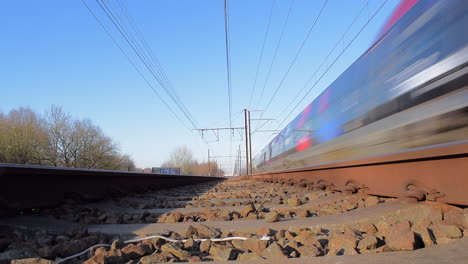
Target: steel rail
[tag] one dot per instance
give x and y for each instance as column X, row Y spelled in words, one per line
column 434, row 173
column 26, row 186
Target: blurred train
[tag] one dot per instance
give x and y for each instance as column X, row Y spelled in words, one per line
column 408, row 90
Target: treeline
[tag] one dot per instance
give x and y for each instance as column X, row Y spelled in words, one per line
column 182, row 157
column 57, row 139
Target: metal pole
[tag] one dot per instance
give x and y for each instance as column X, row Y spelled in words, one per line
column 250, row 145
column 240, row 161
column 246, row 144
column 209, row 165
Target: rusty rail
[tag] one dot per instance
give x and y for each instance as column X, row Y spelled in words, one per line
column 24, row 186
column 434, row 173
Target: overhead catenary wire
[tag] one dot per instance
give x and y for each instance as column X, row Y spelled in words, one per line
column 329, row 67
column 134, row 66
column 295, row 58
column 276, row 52
column 261, row 53
column 137, row 50
column 336, row 59
column 160, row 76
column 228, row 67
column 324, row 60
column 153, row 58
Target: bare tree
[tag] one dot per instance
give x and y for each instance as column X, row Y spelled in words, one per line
column 23, row 137
column 182, row 157
column 59, row 130
column 57, row 140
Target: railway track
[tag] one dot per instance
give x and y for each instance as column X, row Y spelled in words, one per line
column 257, row 221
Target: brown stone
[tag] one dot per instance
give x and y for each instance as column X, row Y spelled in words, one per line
column 369, row 229
column 456, row 217
column 400, row 237
column 383, row 228
column 221, row 253
column 251, row 216
column 312, row 195
column 117, row 244
column 153, row 258
column 204, row 231
column 255, row 245
column 239, row 244
column 307, row 251
column 274, row 251
column 302, row 213
column 289, row 236
column 369, row 242
column 205, row 245
column 348, row 206
column 291, row 246
column 191, row 231
column 194, row 259
column 247, row 256
column 371, row 201
column 272, row 217
column 96, row 259
column 339, row 242
column 442, row 231
column 191, row 245
column 248, row 209
column 114, row 256
column 294, row 201
column 174, row 217
column 265, row 232
column 136, row 251
column 32, row 261
column 307, row 240
column 422, row 233
column 176, row 251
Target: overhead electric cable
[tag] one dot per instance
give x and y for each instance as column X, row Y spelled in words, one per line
column 326, row 58
column 261, row 53
column 228, row 68
column 153, row 58
column 276, row 51
column 129, row 39
column 145, row 60
column 331, row 65
column 134, row 65
column 336, row 59
column 295, row 57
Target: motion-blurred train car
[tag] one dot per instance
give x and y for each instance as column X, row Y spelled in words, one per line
column 407, row 91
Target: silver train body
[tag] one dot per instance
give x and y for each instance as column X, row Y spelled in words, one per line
column 407, row 91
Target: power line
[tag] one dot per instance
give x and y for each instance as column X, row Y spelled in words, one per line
column 228, row 59
column 136, row 49
column 295, row 57
column 326, row 58
column 276, row 51
column 333, row 63
column 134, row 65
column 154, row 59
column 261, row 53
column 228, row 66
column 336, row 59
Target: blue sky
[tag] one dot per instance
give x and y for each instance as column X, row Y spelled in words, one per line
column 55, row 53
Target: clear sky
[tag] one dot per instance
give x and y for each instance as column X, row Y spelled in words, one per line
column 53, row 52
